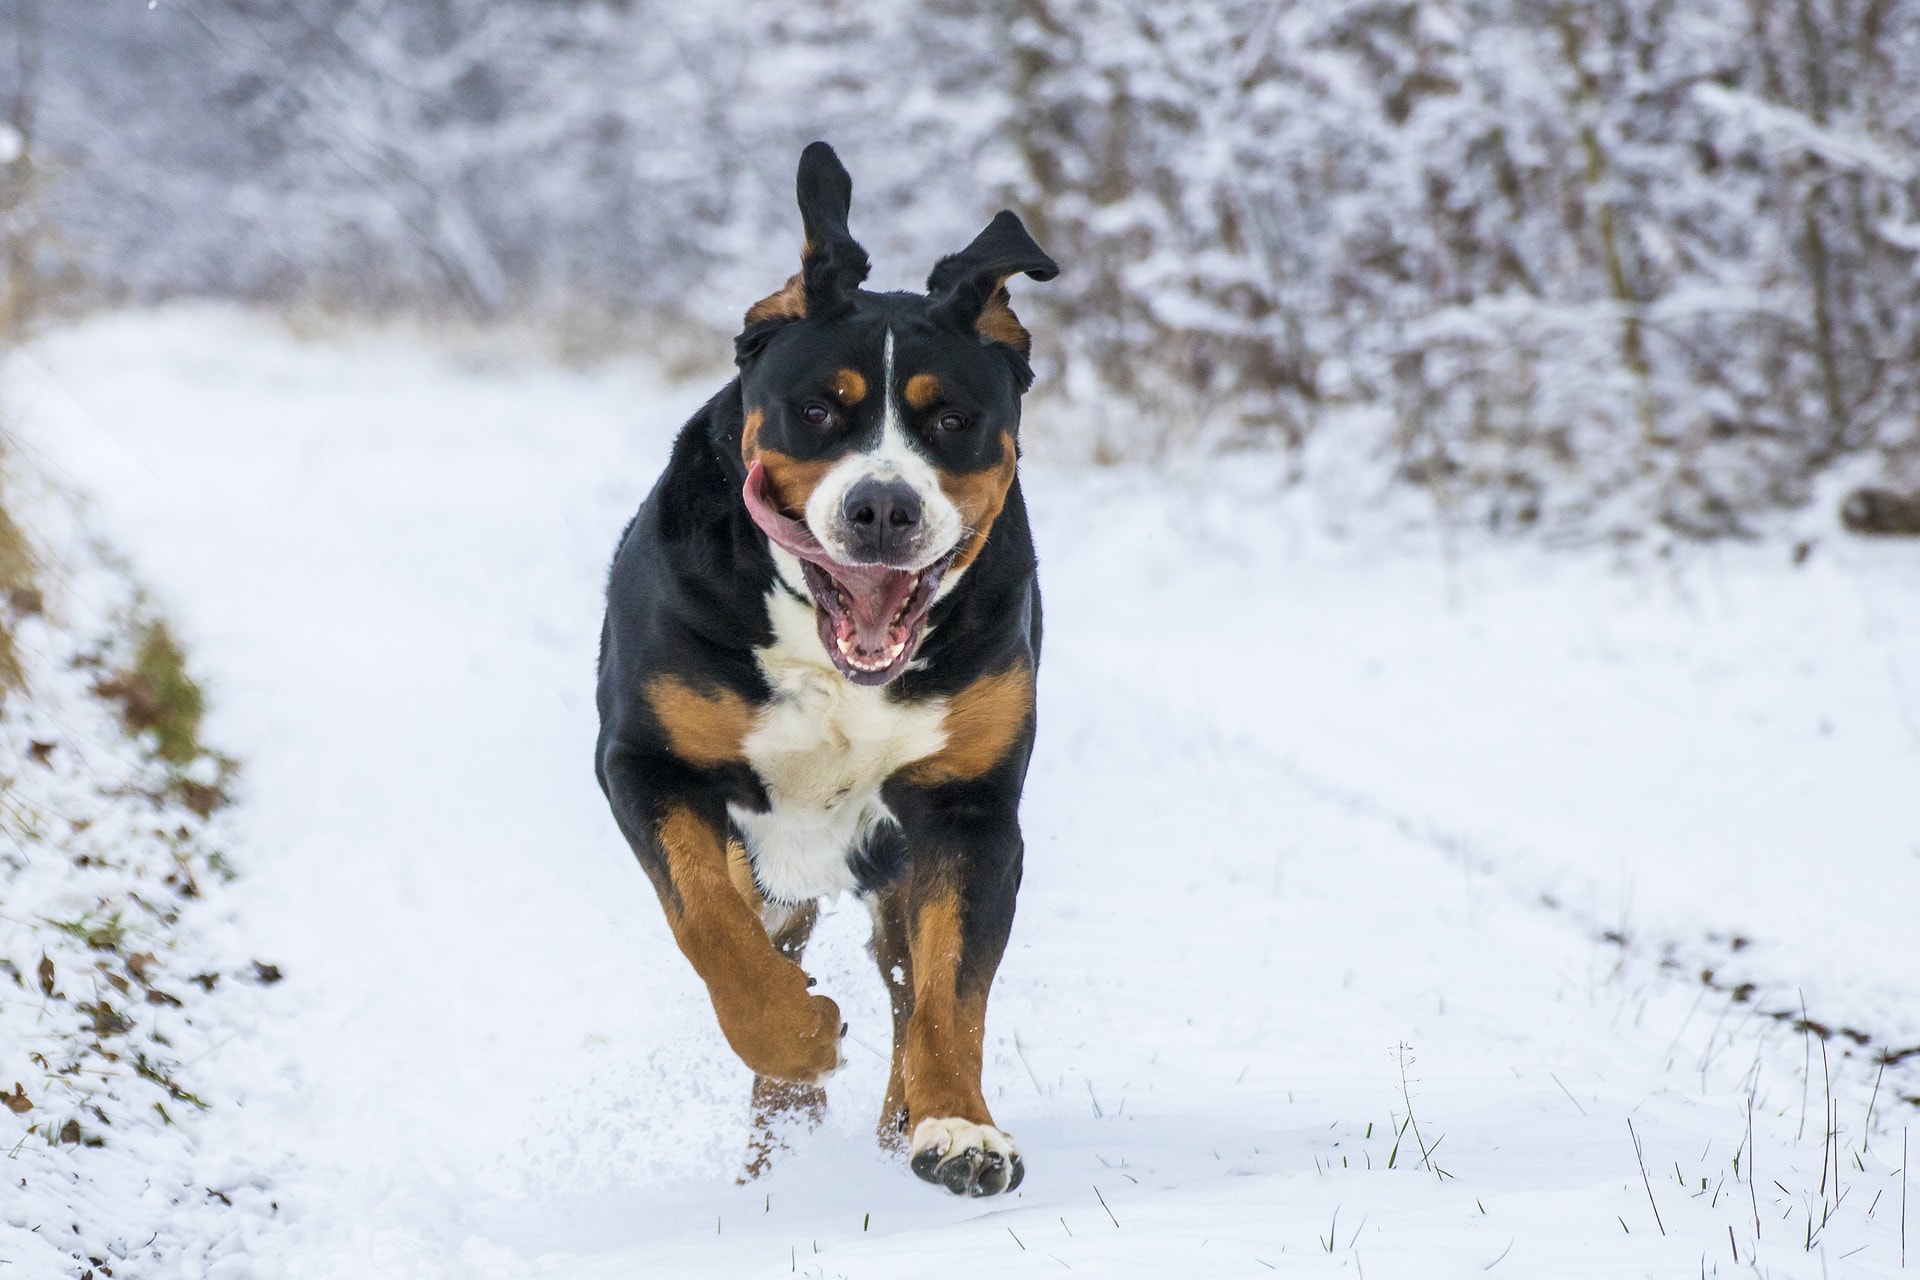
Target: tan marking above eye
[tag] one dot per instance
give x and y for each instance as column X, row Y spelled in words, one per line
column 922, row 390
column 849, row 387
column 704, row 729
column 980, row 495
column 982, row 723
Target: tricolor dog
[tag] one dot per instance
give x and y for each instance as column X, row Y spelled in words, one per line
column 817, row 672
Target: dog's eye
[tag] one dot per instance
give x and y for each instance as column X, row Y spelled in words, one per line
column 817, row 414
column 952, row 422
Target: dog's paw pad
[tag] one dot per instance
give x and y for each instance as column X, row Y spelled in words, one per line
column 967, row 1159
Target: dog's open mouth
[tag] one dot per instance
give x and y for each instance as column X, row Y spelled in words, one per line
column 872, row 617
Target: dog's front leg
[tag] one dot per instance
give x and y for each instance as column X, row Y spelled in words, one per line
column 766, row 1012
column 777, row 1026
column 965, row 870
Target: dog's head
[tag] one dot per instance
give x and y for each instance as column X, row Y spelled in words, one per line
column 880, row 436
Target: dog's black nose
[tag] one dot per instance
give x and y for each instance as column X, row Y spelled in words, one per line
column 883, row 519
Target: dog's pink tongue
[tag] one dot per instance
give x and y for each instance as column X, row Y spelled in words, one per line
column 791, row 534
column 873, row 594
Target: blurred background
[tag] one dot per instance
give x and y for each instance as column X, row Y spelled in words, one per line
column 1588, row 267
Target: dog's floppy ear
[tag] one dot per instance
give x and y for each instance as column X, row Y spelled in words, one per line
column 969, row 288
column 832, row 263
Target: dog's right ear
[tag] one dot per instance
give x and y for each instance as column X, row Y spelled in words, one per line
column 832, row 263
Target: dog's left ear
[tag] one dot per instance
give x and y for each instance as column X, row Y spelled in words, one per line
column 832, row 263
column 969, row 288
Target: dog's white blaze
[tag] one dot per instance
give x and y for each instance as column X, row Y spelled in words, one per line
column 893, row 458
column 822, row 746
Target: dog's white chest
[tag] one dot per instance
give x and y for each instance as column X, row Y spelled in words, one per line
column 822, row 747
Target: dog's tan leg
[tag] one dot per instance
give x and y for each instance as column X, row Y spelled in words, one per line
column 894, row 954
column 942, row 1059
column 954, row 1141
column 778, row 1027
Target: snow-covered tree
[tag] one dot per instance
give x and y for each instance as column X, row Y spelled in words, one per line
column 1581, row 265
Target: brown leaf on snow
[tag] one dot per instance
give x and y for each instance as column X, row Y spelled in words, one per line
column 46, row 975
column 17, row 1101
column 202, row 799
column 107, row 1020
column 138, row 966
column 42, row 752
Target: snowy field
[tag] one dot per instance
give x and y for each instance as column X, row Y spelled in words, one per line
column 1319, row 829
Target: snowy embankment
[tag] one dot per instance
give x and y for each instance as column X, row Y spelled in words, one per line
column 1318, row 830
column 123, row 977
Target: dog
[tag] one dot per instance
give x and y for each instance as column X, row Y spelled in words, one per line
column 817, row 673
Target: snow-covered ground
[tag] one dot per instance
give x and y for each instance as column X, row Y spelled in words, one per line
column 1308, row 816
column 125, row 976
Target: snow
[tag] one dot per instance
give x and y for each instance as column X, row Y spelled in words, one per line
column 1296, row 804
column 124, row 977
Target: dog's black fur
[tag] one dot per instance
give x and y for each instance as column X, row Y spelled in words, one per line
column 683, row 678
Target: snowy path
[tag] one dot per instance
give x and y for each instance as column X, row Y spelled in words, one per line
column 1242, row 895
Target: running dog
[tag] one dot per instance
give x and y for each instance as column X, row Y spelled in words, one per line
column 817, row 672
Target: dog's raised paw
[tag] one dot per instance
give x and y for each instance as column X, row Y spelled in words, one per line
column 967, row 1159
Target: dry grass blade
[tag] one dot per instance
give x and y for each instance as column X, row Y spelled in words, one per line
column 1103, row 1204
column 1866, row 1126
column 1639, row 1155
column 1402, row 1056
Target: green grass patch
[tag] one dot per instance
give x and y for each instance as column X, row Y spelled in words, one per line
column 155, row 693
column 101, row 935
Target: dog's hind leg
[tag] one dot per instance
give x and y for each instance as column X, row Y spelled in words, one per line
column 779, row 1106
column 893, row 954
